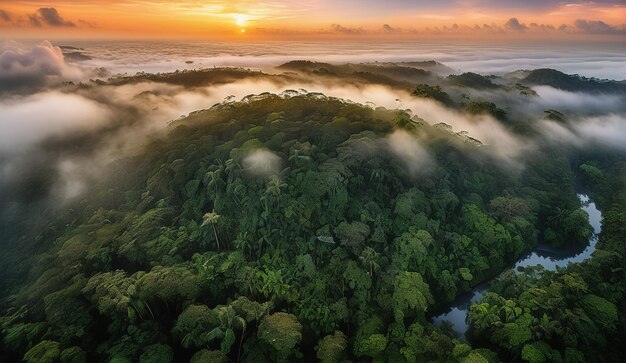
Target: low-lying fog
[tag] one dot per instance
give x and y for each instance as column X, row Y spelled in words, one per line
column 587, row 59
column 41, row 119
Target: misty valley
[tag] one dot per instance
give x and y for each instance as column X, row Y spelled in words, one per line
column 303, row 211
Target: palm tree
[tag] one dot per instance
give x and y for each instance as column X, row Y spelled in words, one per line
column 275, row 185
column 558, row 216
column 368, row 259
column 213, row 179
column 212, row 218
column 274, row 188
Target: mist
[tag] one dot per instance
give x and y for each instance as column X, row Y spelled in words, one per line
column 262, row 162
column 407, row 148
column 75, row 130
column 588, row 59
column 28, row 120
column 578, row 102
column 607, row 131
column 24, row 68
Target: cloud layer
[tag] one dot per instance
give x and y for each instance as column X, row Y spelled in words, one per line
column 26, row 121
column 32, row 67
column 394, row 20
column 75, row 131
column 513, row 26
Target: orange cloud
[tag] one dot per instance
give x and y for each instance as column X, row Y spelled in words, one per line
column 320, row 19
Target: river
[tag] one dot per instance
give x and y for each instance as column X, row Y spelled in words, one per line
column 544, row 255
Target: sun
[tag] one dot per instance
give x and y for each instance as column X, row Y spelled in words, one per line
column 241, row 19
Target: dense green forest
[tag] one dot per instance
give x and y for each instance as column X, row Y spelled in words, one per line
column 309, row 228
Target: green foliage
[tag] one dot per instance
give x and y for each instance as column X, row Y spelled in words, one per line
column 412, row 249
column 73, row 355
column 371, row 346
column 485, row 108
column 555, row 115
column 274, row 286
column 572, row 83
column 473, row 80
column 67, row 311
column 411, row 295
column 591, row 174
column 281, row 331
column 249, row 310
column 600, row 310
column 466, row 274
column 352, row 235
column 206, row 356
column 434, row 92
column 167, row 284
column 331, row 348
column 413, row 348
column 540, row 352
column 19, row 335
column 193, row 324
column 574, row 227
column 46, row 351
column 340, row 252
column 509, row 207
column 112, row 293
column 157, row 353
column 492, row 239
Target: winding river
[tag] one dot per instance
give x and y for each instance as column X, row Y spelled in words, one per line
column 544, row 255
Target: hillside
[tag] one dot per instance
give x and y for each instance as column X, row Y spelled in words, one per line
column 278, row 228
column 573, row 83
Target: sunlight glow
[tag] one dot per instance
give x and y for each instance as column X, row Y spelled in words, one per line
column 316, row 20
column 241, row 19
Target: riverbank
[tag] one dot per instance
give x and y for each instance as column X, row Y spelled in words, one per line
column 546, row 256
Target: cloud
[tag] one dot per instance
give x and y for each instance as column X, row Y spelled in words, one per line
column 25, row 121
column 606, row 131
column 407, row 148
column 32, row 68
column 542, row 27
column 559, row 133
column 5, row 16
column 511, row 26
column 597, row 27
column 49, row 16
column 389, row 29
column 131, row 113
column 577, row 102
column 64, row 141
column 502, row 144
column 514, row 25
column 35, row 21
column 533, row 5
column 262, row 162
column 43, row 136
column 337, row 28
column 89, row 24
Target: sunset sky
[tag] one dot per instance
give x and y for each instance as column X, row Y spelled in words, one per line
column 314, row 20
